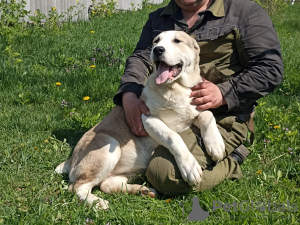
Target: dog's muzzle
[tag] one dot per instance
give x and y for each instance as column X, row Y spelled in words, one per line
column 158, row 51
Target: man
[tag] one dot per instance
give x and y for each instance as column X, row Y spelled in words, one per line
column 240, row 61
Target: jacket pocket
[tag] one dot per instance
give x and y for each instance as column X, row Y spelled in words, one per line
column 213, row 33
column 210, row 72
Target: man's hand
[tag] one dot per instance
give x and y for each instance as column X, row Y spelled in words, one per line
column 134, row 108
column 207, row 95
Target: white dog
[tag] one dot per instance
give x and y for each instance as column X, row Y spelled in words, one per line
column 109, row 155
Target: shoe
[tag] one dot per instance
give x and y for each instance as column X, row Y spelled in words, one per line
column 239, row 154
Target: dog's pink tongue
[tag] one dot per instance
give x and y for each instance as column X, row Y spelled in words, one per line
column 162, row 73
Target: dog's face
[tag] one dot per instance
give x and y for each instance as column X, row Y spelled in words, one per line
column 174, row 54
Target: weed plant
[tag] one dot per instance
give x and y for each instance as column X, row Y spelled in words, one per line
column 57, row 82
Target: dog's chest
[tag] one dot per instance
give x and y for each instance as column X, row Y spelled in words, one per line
column 171, row 105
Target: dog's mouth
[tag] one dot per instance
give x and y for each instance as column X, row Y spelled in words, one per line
column 166, row 72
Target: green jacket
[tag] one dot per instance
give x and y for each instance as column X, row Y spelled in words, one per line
column 239, row 51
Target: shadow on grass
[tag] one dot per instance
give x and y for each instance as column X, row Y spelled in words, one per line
column 70, row 136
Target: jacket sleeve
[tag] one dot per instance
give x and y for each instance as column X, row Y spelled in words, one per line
column 138, row 65
column 264, row 71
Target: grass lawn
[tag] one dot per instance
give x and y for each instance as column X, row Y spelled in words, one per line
column 45, row 75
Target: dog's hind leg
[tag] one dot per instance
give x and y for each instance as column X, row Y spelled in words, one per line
column 118, row 184
column 84, row 193
column 94, row 168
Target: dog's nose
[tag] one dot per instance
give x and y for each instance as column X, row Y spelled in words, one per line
column 159, row 50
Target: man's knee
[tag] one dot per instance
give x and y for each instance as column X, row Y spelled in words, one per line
column 164, row 175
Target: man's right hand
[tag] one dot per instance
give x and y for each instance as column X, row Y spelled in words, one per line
column 134, row 108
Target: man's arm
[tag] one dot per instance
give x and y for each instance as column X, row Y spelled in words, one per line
column 265, row 66
column 138, row 66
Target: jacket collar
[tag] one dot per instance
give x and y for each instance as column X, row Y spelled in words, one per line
column 216, row 8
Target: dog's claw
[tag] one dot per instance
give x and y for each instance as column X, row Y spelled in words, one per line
column 151, row 192
column 148, row 193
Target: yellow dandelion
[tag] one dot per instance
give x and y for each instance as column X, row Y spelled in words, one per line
column 92, row 66
column 92, row 32
column 77, row 1
column 86, row 98
column 46, row 141
column 168, row 200
column 54, row 8
column 258, row 172
column 276, row 127
column 35, row 147
column 270, row 124
column 58, row 84
column 35, row 13
column 93, row 12
column 289, row 33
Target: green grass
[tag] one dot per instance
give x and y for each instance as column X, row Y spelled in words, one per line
column 37, row 133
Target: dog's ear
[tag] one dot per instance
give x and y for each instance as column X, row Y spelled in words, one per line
column 196, row 45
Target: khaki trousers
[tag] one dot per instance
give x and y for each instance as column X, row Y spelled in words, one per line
column 164, row 175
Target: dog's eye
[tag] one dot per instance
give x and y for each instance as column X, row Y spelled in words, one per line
column 177, row 40
column 156, row 40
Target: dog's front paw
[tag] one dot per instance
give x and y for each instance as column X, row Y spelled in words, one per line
column 190, row 169
column 215, row 146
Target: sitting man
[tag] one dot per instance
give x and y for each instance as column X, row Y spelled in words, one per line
column 240, row 61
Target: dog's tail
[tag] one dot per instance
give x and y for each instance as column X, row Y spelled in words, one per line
column 63, row 167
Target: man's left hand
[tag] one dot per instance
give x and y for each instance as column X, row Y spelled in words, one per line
column 207, row 95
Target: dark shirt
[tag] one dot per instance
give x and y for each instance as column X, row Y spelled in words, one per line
column 239, row 51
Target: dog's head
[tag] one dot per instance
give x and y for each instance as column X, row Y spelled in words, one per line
column 175, row 55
